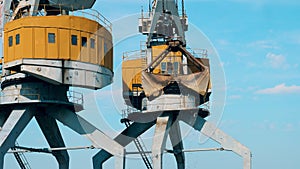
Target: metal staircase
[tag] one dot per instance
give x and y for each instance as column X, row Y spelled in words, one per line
column 20, row 157
column 140, row 147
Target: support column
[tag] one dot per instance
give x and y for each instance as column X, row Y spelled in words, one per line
column 12, row 128
column 126, row 137
column 51, row 131
column 98, row 138
column 176, row 140
column 3, row 117
column 159, row 140
column 2, row 160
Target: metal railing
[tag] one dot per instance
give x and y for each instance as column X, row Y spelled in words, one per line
column 135, row 54
column 18, row 93
column 142, row 53
column 94, row 15
column 59, row 9
column 198, row 53
column 75, row 97
column 129, row 110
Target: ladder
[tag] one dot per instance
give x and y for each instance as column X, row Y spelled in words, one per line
column 141, row 147
column 21, row 159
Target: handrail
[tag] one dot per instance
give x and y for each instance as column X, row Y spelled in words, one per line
column 98, row 17
column 135, row 54
column 198, row 52
column 18, row 94
column 42, row 11
column 75, row 97
column 129, row 110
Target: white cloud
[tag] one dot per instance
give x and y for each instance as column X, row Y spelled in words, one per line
column 223, row 42
column 276, row 61
column 289, row 127
column 290, row 37
column 262, row 2
column 251, row 64
column 280, row 89
column 276, row 126
column 264, row 44
column 233, row 97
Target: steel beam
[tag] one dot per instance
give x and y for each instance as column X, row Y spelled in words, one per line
column 3, row 117
column 12, row 128
column 51, row 131
column 96, row 136
column 176, row 140
column 227, row 142
column 124, row 138
column 210, row 130
column 159, row 140
column 6, row 13
column 34, row 7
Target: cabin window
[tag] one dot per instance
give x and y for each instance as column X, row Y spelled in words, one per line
column 83, row 41
column 0, row 69
column 176, row 67
column 163, row 67
column 10, row 41
column 74, row 39
column 105, row 48
column 92, row 43
column 169, row 67
column 17, row 39
column 51, row 37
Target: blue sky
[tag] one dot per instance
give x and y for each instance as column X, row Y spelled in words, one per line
column 258, row 43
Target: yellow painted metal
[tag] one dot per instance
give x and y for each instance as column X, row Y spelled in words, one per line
column 50, row 37
column 131, row 69
column 171, row 57
column 132, row 73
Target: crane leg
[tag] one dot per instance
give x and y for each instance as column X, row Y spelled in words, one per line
column 126, row 137
column 98, row 138
column 159, row 140
column 100, row 158
column 3, row 117
column 227, row 142
column 51, row 131
column 176, row 140
column 11, row 129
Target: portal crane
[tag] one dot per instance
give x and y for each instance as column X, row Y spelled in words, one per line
column 167, row 84
column 48, row 48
